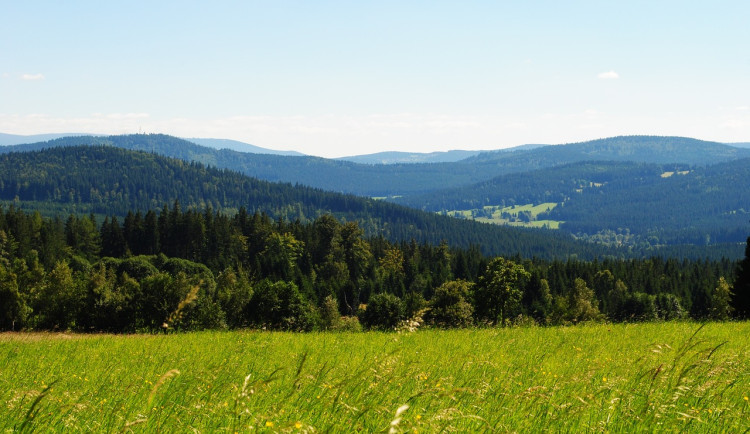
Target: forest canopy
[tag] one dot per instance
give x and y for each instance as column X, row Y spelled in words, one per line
column 198, row 269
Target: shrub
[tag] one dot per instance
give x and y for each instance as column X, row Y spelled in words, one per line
column 280, row 306
column 383, row 312
column 640, row 307
column 348, row 324
column 449, row 306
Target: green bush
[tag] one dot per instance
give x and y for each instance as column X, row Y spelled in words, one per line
column 280, row 306
column 383, row 312
column 449, row 306
column 348, row 324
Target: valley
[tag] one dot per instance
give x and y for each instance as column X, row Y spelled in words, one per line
column 522, row 215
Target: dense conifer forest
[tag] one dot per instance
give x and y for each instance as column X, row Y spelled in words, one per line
column 193, row 269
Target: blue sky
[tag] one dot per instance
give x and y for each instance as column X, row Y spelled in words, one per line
column 342, row 78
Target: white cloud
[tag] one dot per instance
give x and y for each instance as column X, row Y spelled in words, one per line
column 743, row 108
column 609, row 75
column 32, row 77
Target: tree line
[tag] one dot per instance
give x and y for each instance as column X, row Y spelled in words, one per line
column 191, row 269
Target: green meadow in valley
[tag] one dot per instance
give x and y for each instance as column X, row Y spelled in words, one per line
column 670, row 376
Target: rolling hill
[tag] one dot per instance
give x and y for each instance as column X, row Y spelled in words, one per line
column 641, row 149
column 642, row 209
column 661, row 204
column 395, row 157
column 111, row 181
column 238, row 146
column 410, row 179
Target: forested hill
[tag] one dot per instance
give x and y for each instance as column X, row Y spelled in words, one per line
column 113, row 181
column 395, row 157
column 239, row 146
column 410, row 179
column 666, row 204
column 326, row 174
column 641, row 149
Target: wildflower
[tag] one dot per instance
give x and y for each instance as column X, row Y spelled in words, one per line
column 269, row 424
column 604, row 379
column 298, row 424
column 746, row 398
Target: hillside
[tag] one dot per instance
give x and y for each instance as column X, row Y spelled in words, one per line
column 410, row 179
column 331, row 175
column 661, row 204
column 238, row 146
column 395, row 157
column 109, row 180
column 641, row 149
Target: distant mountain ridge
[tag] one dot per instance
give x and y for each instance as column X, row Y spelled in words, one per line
column 396, row 157
column 640, row 149
column 17, row 139
column 391, row 180
column 238, row 146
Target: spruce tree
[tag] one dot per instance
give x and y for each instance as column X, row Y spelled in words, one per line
column 741, row 299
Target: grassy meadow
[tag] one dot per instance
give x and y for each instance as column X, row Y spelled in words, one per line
column 639, row 377
column 494, row 214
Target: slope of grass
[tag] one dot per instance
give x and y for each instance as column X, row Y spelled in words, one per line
column 671, row 377
column 509, row 215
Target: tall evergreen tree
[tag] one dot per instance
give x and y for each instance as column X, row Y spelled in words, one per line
column 741, row 299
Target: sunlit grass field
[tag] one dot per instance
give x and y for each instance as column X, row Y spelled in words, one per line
column 644, row 378
column 497, row 215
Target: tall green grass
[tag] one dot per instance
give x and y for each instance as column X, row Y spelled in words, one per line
column 645, row 377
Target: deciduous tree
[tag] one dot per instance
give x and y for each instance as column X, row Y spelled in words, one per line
column 499, row 290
